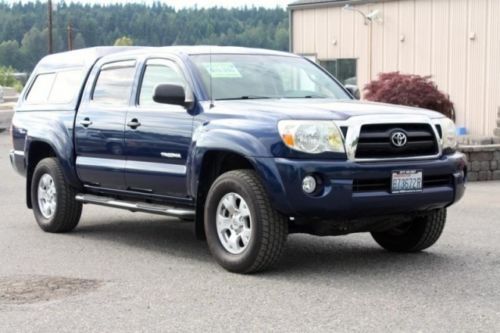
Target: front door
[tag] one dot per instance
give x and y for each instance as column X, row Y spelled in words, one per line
column 99, row 127
column 158, row 136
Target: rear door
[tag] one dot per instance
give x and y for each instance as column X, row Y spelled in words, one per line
column 99, row 126
column 158, row 136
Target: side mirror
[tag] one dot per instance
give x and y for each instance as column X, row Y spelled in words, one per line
column 353, row 90
column 172, row 94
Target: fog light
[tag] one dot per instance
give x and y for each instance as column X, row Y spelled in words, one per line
column 309, row 184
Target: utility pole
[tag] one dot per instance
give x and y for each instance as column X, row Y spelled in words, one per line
column 51, row 48
column 70, row 36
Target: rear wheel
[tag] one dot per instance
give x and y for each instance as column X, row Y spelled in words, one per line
column 54, row 204
column 415, row 236
column 244, row 233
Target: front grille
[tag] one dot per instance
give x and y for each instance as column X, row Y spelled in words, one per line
column 384, row 184
column 371, row 185
column 375, row 141
column 436, row 181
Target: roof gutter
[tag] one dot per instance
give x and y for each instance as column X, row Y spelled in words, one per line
column 326, row 3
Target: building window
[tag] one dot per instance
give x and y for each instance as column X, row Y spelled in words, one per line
column 345, row 70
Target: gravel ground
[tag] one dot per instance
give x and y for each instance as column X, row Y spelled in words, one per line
column 124, row 272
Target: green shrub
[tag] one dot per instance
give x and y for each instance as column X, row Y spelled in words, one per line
column 7, row 79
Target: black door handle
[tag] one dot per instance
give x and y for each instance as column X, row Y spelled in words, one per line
column 134, row 123
column 86, row 122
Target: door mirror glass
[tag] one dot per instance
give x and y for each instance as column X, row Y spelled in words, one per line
column 172, row 94
column 353, row 90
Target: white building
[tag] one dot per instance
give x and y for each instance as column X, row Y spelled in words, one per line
column 457, row 42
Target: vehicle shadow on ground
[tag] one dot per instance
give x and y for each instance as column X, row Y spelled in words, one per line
column 304, row 257
column 162, row 235
column 351, row 256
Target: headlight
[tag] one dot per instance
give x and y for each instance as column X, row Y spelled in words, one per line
column 449, row 133
column 313, row 137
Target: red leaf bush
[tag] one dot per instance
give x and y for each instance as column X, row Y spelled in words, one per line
column 409, row 90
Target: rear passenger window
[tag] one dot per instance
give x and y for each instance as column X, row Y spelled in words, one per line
column 114, row 84
column 40, row 90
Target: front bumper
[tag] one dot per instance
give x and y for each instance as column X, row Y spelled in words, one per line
column 340, row 197
column 18, row 161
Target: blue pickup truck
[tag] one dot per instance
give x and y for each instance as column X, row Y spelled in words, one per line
column 249, row 144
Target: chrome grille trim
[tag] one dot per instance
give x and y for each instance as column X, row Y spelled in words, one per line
column 355, row 123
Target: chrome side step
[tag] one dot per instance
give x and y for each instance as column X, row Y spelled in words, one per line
column 135, row 206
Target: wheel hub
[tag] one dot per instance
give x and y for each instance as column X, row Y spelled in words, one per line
column 234, row 223
column 47, row 196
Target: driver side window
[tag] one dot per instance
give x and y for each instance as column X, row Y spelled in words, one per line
column 158, row 72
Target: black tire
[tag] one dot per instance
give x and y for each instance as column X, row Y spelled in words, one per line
column 415, row 236
column 68, row 211
column 269, row 229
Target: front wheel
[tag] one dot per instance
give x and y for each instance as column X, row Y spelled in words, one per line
column 54, row 204
column 414, row 236
column 244, row 233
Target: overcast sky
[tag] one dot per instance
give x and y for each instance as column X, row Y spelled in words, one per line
column 185, row 3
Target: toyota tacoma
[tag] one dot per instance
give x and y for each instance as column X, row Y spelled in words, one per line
column 249, row 144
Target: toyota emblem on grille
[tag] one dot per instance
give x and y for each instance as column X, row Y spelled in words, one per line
column 399, row 139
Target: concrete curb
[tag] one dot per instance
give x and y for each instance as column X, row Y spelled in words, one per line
column 5, row 119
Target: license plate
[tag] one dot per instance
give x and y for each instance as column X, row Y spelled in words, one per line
column 406, row 181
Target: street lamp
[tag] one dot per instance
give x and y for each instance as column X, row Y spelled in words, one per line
column 369, row 18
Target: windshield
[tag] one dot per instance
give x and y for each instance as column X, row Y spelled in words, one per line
column 237, row 76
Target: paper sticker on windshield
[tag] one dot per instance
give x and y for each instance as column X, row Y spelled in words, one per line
column 222, row 70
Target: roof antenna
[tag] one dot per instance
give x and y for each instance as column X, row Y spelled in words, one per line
column 211, row 80
column 211, row 72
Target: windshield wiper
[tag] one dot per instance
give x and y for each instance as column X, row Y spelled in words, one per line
column 244, row 97
column 267, row 97
column 307, row 96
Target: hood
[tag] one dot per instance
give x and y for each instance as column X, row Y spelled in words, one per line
column 314, row 109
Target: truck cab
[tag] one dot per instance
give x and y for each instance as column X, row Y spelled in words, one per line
column 249, row 144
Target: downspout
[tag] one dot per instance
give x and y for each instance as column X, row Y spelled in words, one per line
column 370, row 50
column 290, row 29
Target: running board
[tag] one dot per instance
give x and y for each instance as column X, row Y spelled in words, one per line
column 135, row 206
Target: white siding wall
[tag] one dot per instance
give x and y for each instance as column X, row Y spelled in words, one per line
column 427, row 37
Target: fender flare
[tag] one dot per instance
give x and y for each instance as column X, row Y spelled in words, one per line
column 61, row 145
column 245, row 145
column 229, row 140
